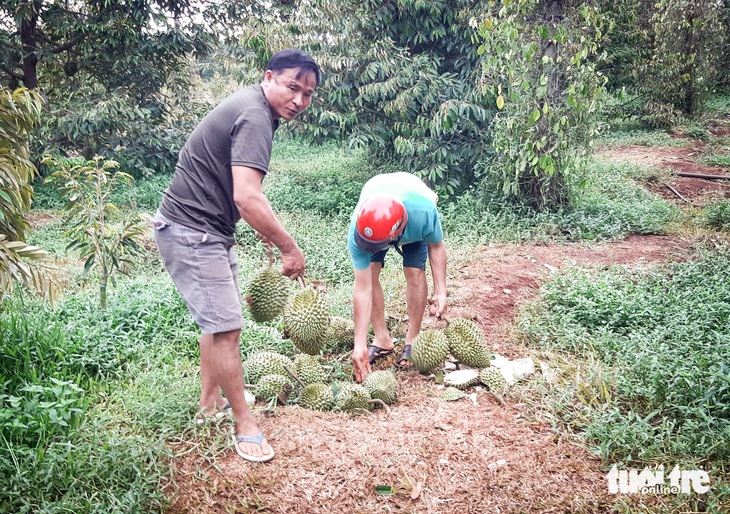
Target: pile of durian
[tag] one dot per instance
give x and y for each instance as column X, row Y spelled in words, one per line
column 307, row 322
column 305, row 379
column 464, row 341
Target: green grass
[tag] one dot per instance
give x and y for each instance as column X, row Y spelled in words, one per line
column 636, row 135
column 90, row 400
column 654, row 386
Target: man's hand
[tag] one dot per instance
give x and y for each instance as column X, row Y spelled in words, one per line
column 292, row 262
column 263, row 238
column 437, row 305
column 361, row 362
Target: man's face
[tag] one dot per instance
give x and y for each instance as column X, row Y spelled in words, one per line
column 289, row 91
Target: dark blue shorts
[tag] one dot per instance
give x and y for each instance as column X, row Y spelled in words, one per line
column 414, row 255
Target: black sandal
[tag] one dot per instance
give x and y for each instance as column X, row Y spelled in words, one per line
column 376, row 352
column 405, row 356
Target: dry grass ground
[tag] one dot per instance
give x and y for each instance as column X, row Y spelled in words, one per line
column 437, row 456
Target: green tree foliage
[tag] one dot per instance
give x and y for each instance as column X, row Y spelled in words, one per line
column 688, row 38
column 668, row 54
column 628, row 43
column 19, row 261
column 540, row 70
column 400, row 80
column 104, row 241
column 724, row 68
column 115, row 73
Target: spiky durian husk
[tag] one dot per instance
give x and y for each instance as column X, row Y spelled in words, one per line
column 317, row 396
column 493, row 379
column 262, row 363
column 308, row 369
column 429, row 350
column 452, row 393
column 352, row 397
column 466, row 342
column 340, row 335
column 382, row 385
column 267, row 293
column 271, row 386
column 306, row 320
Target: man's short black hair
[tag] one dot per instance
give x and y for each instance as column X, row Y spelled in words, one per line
column 293, row 58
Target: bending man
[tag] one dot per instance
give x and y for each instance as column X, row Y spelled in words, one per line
column 395, row 210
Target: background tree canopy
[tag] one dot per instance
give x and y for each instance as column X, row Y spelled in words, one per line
column 414, row 82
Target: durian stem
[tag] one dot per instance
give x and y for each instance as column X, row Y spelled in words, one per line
column 294, row 376
column 300, row 279
column 497, row 397
column 269, row 249
column 381, row 403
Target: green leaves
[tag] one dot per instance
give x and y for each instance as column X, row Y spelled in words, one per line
column 103, row 240
column 19, row 261
column 547, row 112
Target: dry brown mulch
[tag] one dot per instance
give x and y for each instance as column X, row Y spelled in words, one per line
column 437, row 456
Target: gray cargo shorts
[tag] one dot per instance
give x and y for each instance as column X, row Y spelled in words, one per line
column 204, row 270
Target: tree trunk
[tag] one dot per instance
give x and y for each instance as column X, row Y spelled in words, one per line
column 536, row 186
column 28, row 33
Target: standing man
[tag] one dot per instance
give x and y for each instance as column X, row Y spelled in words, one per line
column 395, row 210
column 217, row 181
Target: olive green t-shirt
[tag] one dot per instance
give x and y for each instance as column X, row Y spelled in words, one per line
column 238, row 132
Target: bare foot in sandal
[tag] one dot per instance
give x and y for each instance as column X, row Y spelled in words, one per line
column 254, row 448
column 405, row 357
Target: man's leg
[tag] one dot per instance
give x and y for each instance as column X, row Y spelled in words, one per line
column 377, row 315
column 225, row 360
column 416, row 297
column 210, row 392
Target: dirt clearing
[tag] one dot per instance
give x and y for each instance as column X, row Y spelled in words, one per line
column 436, row 456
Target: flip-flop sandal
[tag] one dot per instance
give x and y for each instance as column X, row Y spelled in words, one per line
column 204, row 418
column 257, row 439
column 405, row 356
column 376, row 352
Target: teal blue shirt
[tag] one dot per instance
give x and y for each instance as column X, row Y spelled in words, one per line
column 423, row 225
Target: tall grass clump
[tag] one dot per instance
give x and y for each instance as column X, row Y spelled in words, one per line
column 661, row 340
column 606, row 204
column 651, row 381
column 60, row 452
column 325, row 181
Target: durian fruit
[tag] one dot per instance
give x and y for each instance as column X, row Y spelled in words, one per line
column 462, row 378
column 429, row 350
column 452, row 393
column 382, row 385
column 352, row 397
column 340, row 334
column 308, row 369
column 466, row 342
column 493, row 379
column 317, row 396
column 272, row 386
column 267, row 292
column 306, row 320
column 263, row 362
